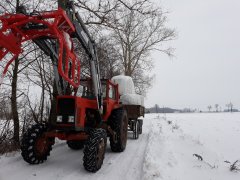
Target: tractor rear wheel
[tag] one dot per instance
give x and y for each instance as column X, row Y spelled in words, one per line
column 75, row 145
column 35, row 146
column 94, row 150
column 119, row 124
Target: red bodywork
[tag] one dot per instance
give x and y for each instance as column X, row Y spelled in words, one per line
column 14, row 31
column 82, row 104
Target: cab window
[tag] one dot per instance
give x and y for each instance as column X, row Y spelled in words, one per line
column 111, row 92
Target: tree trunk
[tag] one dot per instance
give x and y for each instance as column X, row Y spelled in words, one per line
column 14, row 97
column 53, row 111
column 14, row 103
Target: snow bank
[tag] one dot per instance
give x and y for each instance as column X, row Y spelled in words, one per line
column 175, row 138
column 125, row 84
column 134, row 99
column 153, row 153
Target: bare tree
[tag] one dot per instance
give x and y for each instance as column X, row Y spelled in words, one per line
column 139, row 36
column 209, row 108
column 100, row 12
column 216, row 107
column 40, row 74
column 229, row 107
column 19, row 63
column 108, row 58
column 157, row 108
column 136, row 28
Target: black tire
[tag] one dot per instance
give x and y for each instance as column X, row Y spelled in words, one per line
column 140, row 125
column 130, row 124
column 35, row 147
column 119, row 123
column 94, row 150
column 75, row 145
column 136, row 130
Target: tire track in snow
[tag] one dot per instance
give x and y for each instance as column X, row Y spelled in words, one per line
column 150, row 167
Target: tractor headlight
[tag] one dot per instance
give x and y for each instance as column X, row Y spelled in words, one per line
column 71, row 119
column 59, row 118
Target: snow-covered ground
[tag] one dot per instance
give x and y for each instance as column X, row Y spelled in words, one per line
column 164, row 151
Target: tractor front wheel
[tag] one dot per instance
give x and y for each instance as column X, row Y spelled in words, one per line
column 35, row 146
column 94, row 150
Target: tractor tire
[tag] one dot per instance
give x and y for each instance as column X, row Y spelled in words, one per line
column 136, row 130
column 119, row 124
column 75, row 145
column 94, row 150
column 140, row 125
column 35, row 147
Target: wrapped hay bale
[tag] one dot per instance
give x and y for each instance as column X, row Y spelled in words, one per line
column 132, row 99
column 125, row 84
column 127, row 91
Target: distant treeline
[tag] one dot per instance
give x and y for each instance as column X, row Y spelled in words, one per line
column 161, row 110
column 157, row 109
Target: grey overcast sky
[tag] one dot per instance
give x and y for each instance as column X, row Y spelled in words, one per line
column 206, row 70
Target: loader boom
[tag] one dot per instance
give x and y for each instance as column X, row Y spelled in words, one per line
column 52, row 32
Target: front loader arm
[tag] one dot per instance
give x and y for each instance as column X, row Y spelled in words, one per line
column 42, row 28
column 49, row 31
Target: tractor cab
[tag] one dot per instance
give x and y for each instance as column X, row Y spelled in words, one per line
column 79, row 111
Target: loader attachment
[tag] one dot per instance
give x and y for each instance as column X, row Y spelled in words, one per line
column 52, row 32
column 41, row 28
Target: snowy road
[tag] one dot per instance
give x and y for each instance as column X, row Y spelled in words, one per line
column 163, row 152
column 65, row 163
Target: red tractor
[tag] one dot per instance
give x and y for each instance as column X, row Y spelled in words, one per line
column 88, row 110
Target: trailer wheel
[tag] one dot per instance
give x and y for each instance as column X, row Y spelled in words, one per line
column 35, row 147
column 75, row 145
column 131, row 125
column 140, row 125
column 119, row 124
column 135, row 129
column 94, row 150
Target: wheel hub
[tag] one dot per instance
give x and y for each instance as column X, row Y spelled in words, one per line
column 101, row 151
column 41, row 146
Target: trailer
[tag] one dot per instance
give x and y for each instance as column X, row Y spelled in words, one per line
column 132, row 102
column 134, row 112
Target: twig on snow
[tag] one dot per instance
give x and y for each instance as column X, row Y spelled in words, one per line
column 235, row 166
column 201, row 159
column 198, row 156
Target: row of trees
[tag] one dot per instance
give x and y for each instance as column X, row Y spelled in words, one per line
column 126, row 32
column 215, row 108
column 218, row 108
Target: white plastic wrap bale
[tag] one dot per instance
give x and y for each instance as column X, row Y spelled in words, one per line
column 132, row 99
column 125, row 84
